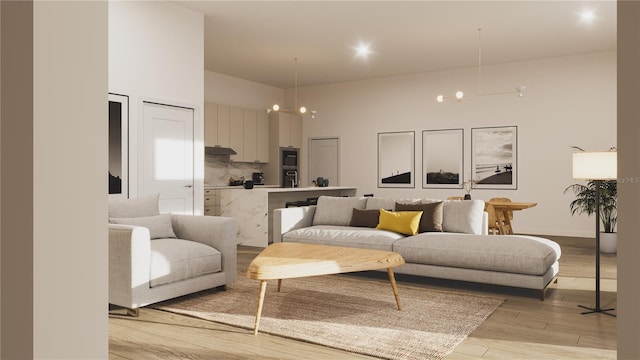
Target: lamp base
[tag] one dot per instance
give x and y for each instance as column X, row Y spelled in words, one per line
column 596, row 310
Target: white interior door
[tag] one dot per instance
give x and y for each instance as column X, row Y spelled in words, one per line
column 167, row 156
column 324, row 160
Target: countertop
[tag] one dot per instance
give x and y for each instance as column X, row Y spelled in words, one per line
column 312, row 188
column 275, row 188
column 212, row 187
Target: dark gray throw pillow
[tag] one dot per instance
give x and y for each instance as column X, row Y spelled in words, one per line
column 431, row 219
column 365, row 218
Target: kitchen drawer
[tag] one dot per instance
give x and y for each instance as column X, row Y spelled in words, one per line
column 209, row 192
column 210, row 198
column 211, row 211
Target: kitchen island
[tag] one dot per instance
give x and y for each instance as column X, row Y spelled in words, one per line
column 252, row 208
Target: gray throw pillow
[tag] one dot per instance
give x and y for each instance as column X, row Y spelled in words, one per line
column 431, row 219
column 335, row 210
column 159, row 226
column 134, row 207
column 463, row 216
column 374, row 203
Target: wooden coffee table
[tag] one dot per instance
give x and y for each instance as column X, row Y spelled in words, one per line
column 293, row 260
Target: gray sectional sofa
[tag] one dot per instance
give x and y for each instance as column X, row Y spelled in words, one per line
column 462, row 250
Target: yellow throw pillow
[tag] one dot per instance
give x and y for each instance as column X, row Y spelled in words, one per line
column 403, row 222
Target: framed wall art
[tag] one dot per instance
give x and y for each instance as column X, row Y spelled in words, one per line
column 494, row 157
column 118, row 146
column 396, row 159
column 442, row 158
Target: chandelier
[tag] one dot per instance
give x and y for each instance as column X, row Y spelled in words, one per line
column 297, row 109
column 459, row 95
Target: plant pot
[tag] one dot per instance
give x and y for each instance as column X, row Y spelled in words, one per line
column 608, row 243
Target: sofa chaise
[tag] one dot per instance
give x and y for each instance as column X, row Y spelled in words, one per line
column 452, row 242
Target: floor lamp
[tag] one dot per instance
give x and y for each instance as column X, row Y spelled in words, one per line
column 597, row 166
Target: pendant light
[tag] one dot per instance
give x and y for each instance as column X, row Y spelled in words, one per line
column 459, row 95
column 302, row 110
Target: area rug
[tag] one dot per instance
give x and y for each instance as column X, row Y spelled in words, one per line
column 352, row 313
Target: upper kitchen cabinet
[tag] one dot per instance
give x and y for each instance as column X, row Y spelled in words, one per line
column 245, row 131
column 216, row 125
column 288, row 128
column 256, row 136
column 236, row 133
column 262, row 136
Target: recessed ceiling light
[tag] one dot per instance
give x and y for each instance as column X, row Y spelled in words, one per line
column 363, row 50
column 587, row 16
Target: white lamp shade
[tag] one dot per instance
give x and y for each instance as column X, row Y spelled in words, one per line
column 595, row 165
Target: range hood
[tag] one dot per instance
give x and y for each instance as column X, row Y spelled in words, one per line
column 218, row 150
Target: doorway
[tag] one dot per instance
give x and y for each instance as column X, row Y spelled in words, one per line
column 167, row 156
column 324, row 159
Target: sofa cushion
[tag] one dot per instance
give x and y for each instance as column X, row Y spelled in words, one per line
column 177, row 259
column 463, row 216
column 332, row 210
column 403, row 222
column 134, row 207
column 431, row 219
column 374, row 203
column 159, row 226
column 365, row 218
column 506, row 253
column 359, row 237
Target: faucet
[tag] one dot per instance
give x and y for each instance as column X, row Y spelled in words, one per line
column 294, row 181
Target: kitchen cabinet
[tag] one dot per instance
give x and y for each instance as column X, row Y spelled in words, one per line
column 246, row 131
column 262, row 137
column 211, row 202
column 216, row 125
column 236, row 133
column 210, row 124
column 289, row 129
column 250, row 135
column 295, row 131
column 256, row 136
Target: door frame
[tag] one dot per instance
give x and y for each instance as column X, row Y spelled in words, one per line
column 309, row 141
column 198, row 148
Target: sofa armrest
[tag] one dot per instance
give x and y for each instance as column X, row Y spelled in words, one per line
column 129, row 263
column 216, row 231
column 287, row 219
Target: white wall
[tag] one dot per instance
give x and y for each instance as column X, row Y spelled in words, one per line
column 156, row 53
column 70, row 287
column 569, row 101
column 223, row 89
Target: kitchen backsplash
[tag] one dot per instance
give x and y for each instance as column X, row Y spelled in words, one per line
column 218, row 169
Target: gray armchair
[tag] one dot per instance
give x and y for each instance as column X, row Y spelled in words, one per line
column 155, row 257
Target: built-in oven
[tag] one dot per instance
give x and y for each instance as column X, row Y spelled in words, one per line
column 289, row 167
column 289, row 158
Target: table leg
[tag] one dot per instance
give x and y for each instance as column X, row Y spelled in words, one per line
column 263, row 289
column 394, row 286
column 508, row 230
column 279, row 284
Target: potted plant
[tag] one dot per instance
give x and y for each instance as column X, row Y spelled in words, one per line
column 585, row 203
column 468, row 186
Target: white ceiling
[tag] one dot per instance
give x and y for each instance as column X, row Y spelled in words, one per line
column 258, row 40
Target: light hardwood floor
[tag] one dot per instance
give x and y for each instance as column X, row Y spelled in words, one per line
column 522, row 328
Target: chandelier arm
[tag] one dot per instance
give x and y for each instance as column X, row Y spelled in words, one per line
column 498, row 93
